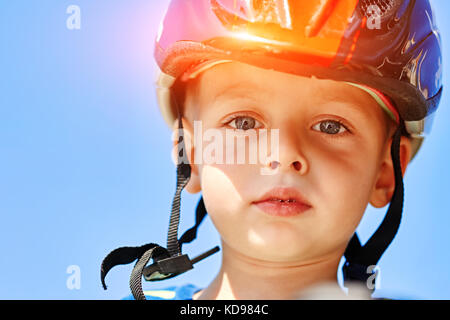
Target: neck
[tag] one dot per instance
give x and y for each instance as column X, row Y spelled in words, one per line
column 245, row 278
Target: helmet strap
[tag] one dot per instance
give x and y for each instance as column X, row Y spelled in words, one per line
column 168, row 262
column 183, row 176
column 361, row 260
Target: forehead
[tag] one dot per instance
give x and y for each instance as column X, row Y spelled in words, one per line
column 237, row 80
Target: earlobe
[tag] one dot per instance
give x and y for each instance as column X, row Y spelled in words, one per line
column 193, row 185
column 385, row 184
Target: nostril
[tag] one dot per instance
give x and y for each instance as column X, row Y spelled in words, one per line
column 274, row 164
column 297, row 165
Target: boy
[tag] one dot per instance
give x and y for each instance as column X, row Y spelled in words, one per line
column 347, row 91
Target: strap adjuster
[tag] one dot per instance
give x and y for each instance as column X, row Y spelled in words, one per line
column 167, row 268
column 173, row 266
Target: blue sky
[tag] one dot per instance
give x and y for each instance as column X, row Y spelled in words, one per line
column 85, row 161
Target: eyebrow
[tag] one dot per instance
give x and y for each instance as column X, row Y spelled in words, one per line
column 241, row 88
column 247, row 89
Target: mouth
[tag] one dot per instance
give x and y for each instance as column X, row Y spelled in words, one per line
column 283, row 202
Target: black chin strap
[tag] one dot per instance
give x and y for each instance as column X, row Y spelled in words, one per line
column 183, row 176
column 360, row 258
column 168, row 262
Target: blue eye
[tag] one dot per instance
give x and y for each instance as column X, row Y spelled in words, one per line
column 245, row 123
column 330, row 127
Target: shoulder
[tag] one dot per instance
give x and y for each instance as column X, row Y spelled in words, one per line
column 182, row 292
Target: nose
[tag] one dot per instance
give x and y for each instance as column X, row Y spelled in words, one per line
column 289, row 155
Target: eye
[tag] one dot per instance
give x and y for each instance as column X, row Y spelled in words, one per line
column 244, row 123
column 330, row 127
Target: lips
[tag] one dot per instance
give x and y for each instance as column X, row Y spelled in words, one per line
column 283, row 202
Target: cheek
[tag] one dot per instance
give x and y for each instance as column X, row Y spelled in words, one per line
column 343, row 182
column 228, row 177
column 225, row 189
column 221, row 187
column 343, row 187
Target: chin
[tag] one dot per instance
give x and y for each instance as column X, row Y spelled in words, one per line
column 276, row 253
column 279, row 249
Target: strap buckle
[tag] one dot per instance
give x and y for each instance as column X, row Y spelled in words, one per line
column 173, row 266
column 167, row 268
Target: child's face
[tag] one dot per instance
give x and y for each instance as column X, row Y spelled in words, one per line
column 338, row 168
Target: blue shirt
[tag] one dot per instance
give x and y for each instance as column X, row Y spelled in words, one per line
column 183, row 292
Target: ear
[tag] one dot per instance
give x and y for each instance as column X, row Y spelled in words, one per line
column 385, row 184
column 193, row 185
